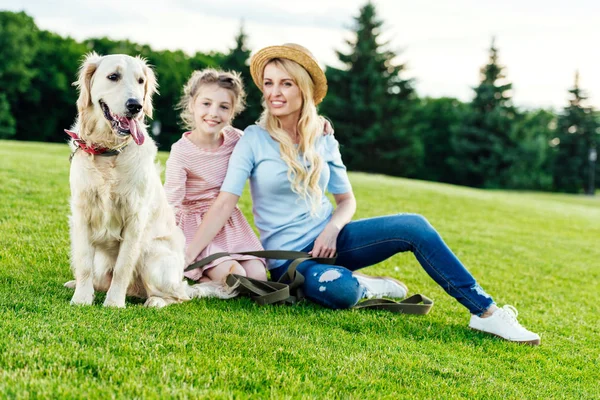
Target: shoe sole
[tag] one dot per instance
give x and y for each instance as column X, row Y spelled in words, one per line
column 535, row 342
column 385, row 277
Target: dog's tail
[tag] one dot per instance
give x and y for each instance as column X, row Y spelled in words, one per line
column 210, row 289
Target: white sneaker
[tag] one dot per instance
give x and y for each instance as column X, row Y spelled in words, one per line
column 503, row 323
column 377, row 287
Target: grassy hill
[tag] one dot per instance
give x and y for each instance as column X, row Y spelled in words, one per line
column 539, row 252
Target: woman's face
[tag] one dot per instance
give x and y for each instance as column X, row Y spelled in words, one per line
column 282, row 94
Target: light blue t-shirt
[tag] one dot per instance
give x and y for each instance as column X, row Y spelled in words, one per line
column 282, row 217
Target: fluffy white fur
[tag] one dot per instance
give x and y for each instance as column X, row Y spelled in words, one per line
column 123, row 234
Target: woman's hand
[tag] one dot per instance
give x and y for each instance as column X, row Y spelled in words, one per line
column 327, row 126
column 326, row 243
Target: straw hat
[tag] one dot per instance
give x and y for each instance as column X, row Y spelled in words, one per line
column 294, row 52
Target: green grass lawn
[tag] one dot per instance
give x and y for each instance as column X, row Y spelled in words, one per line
column 539, row 252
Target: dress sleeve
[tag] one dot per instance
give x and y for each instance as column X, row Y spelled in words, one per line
column 338, row 181
column 240, row 166
column 175, row 178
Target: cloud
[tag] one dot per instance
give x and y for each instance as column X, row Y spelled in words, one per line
column 78, row 13
column 271, row 13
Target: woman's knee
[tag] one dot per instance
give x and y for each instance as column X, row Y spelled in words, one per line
column 414, row 220
column 418, row 226
column 332, row 286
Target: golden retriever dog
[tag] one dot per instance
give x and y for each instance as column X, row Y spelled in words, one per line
column 123, row 234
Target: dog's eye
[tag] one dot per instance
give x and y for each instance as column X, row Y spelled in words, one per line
column 141, row 81
column 114, row 77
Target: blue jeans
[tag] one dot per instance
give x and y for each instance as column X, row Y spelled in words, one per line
column 369, row 241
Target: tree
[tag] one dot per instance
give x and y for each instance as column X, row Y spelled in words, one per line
column 18, row 34
column 484, row 144
column 370, row 103
column 577, row 136
column 531, row 162
column 237, row 60
column 7, row 121
column 50, row 92
column 436, row 121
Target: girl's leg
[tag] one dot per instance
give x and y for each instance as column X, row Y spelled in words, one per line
column 219, row 272
column 370, row 241
column 255, row 269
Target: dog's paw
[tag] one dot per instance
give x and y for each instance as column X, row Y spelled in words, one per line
column 155, row 302
column 71, row 284
column 82, row 298
column 110, row 302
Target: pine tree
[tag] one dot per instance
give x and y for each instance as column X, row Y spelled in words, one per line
column 484, row 144
column 370, row 103
column 577, row 136
column 435, row 122
column 237, row 60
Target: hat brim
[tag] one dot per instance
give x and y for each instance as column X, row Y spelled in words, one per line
column 262, row 58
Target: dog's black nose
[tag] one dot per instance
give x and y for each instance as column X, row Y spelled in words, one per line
column 133, row 106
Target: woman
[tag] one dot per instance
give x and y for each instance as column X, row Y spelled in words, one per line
column 290, row 164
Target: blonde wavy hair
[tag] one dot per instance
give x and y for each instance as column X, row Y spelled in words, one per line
column 229, row 80
column 303, row 173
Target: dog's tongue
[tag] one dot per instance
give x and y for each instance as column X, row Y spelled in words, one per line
column 136, row 132
column 134, row 129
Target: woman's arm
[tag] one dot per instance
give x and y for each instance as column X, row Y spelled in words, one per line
column 325, row 244
column 214, row 220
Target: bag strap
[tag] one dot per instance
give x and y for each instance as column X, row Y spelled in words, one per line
column 288, row 289
column 416, row 304
column 260, row 291
column 274, row 254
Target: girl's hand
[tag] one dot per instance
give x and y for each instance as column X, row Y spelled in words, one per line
column 326, row 243
column 189, row 257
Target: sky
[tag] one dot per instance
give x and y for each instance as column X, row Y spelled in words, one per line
column 443, row 43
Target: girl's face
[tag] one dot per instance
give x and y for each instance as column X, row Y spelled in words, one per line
column 212, row 109
column 282, row 94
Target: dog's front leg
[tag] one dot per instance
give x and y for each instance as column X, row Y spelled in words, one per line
column 82, row 260
column 129, row 253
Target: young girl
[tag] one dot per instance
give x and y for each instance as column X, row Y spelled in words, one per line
column 196, row 169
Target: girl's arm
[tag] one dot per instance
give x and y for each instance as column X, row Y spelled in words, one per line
column 214, row 220
column 325, row 244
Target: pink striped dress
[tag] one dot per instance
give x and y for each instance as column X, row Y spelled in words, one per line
column 193, row 181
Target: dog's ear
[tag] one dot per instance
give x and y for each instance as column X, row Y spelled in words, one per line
column 150, row 88
column 88, row 67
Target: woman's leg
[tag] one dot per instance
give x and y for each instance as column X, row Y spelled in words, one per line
column 331, row 286
column 255, row 269
column 369, row 241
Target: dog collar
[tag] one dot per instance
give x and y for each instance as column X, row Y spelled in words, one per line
column 94, row 149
